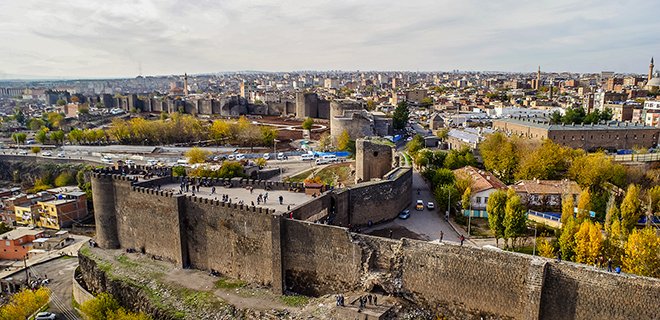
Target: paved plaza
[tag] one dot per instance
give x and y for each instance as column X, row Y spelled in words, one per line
column 289, row 199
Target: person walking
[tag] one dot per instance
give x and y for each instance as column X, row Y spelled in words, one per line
column 462, row 239
column 375, row 300
column 369, row 298
column 442, row 234
column 609, row 264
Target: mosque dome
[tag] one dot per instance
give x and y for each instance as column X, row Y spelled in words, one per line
column 655, row 82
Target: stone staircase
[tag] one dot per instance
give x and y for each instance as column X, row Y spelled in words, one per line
column 371, row 312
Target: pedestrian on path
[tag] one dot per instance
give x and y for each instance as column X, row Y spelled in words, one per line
column 462, row 239
column 442, row 234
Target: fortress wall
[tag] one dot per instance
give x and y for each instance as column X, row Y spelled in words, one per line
column 149, row 219
column 234, row 240
column 319, row 259
column 574, row 291
column 367, row 202
column 312, row 207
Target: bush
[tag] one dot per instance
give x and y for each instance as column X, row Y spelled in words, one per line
column 105, row 307
column 65, row 179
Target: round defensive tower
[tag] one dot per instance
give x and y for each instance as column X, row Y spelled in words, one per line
column 103, row 196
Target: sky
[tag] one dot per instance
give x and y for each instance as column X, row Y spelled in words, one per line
column 126, row 38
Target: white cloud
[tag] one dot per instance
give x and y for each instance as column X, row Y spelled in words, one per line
column 96, row 38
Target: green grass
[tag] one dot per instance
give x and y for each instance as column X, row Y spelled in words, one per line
column 334, row 174
column 105, row 266
column 126, row 261
column 226, row 283
column 84, row 251
column 295, row 300
column 300, row 177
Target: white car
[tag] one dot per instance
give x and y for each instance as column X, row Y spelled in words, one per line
column 47, row 154
column 430, row 205
column 60, row 155
column 152, row 162
column 266, row 156
column 240, row 156
column 107, row 160
column 231, row 157
column 280, row 156
column 129, row 162
column 45, row 316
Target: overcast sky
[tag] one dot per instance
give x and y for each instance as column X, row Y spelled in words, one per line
column 123, row 38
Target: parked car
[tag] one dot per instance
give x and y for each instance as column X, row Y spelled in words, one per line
column 61, row 155
column 47, row 154
column 405, row 214
column 129, row 162
column 45, row 316
column 152, row 162
column 266, row 156
column 430, row 205
column 306, row 157
column 420, row 205
column 281, row 156
column 23, row 153
column 231, row 157
column 240, row 156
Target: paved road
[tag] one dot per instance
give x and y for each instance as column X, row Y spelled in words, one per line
column 60, row 272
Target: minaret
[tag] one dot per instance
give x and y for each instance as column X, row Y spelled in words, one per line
column 650, row 70
column 538, row 79
column 185, row 84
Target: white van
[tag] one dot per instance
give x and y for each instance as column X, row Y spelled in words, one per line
column 330, row 158
column 322, row 161
column 240, row 156
column 306, row 157
column 106, row 159
column 182, row 162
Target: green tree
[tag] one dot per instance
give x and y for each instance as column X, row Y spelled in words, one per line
column 443, row 133
column 268, row 135
column 65, row 179
column 343, row 141
column 426, row 102
column 19, row 137
column 400, row 116
column 61, row 102
column 549, row 161
column 515, row 218
column 57, row 136
column 414, row 145
column 642, row 253
column 630, row 209
column 308, row 123
column 197, row 155
column 496, row 208
column 35, row 149
column 54, row 119
column 36, row 124
column 465, row 200
column 612, row 215
column 179, row 171
column 41, row 136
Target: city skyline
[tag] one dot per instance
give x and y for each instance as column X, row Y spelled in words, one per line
column 93, row 39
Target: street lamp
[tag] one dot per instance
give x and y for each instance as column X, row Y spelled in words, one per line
column 533, row 250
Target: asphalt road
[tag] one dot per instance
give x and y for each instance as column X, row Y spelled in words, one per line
column 426, row 223
column 60, row 272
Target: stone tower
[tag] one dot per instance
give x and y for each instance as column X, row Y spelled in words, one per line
column 538, row 79
column 373, row 158
column 103, row 194
column 650, row 70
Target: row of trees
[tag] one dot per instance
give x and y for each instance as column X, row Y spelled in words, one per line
column 578, row 115
column 513, row 159
column 507, row 217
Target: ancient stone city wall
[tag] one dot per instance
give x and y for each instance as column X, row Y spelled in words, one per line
column 264, row 247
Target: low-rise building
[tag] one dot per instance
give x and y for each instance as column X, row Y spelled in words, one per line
column 483, row 184
column 52, row 212
column 590, row 137
column 18, row 242
column 546, row 195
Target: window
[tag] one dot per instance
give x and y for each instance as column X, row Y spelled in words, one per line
column 486, row 200
column 478, row 199
column 7, row 243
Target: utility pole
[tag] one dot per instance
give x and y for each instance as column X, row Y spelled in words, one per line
column 27, row 272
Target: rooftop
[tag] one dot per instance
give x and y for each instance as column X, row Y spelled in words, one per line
column 20, row 232
column 481, row 180
column 546, row 187
column 544, row 124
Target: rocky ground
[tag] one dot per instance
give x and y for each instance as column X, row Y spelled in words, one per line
column 193, row 294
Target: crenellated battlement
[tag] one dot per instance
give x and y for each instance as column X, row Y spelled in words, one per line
column 233, row 206
column 152, row 191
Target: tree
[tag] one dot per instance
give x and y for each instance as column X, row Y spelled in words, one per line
column 105, row 307
column 54, row 119
column 42, row 135
column 268, row 135
column 496, row 208
column 197, row 155
column 24, row 303
column 61, row 102
column 653, row 195
column 584, row 206
column 465, row 200
column 588, row 242
column 179, row 171
column 500, row 156
column 642, row 253
column 343, row 141
column 630, row 209
column 545, row 248
column 400, row 116
column 549, row 161
column 57, row 136
column 308, row 123
column 426, row 102
column 443, row 133
column 515, row 218
column 19, row 137
column 414, row 145
column 261, row 162
column 65, row 179
column 371, row 105
column 567, row 208
column 35, row 149
column 220, row 130
column 612, row 215
column 36, row 124
column 567, row 238
column 325, row 141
